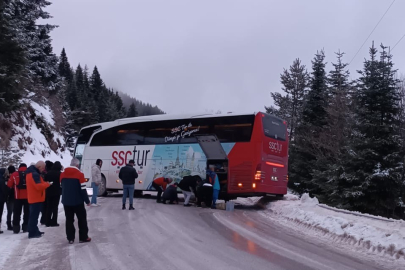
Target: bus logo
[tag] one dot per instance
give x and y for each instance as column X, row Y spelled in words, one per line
column 275, row 146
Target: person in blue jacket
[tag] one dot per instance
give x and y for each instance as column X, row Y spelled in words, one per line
column 214, row 181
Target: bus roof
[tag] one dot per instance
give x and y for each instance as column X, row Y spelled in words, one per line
column 162, row 117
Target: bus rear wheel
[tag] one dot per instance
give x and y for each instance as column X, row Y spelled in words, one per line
column 138, row 193
column 102, row 188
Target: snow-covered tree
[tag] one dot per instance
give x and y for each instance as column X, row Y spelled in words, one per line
column 373, row 176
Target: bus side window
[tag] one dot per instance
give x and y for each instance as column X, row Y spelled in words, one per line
column 234, row 129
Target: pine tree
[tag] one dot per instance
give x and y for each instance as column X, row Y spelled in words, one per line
column 35, row 40
column 97, row 85
column 314, row 113
column 334, row 137
column 122, row 112
column 12, row 62
column 64, row 67
column 295, row 83
column 132, row 111
column 303, row 159
column 372, row 177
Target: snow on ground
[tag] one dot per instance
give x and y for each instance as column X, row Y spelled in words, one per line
column 374, row 235
column 44, row 111
column 9, row 242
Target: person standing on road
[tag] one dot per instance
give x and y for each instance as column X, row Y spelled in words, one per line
column 95, row 180
column 214, row 181
column 10, row 197
column 36, row 187
column 53, row 195
column 18, row 182
column 160, row 185
column 128, row 175
column 74, row 195
column 3, row 194
column 188, row 186
column 44, row 210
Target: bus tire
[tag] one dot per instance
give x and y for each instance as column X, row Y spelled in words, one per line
column 280, row 196
column 102, row 188
column 138, row 193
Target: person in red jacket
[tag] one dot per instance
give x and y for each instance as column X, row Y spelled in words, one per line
column 160, row 185
column 17, row 182
column 74, row 195
column 36, row 187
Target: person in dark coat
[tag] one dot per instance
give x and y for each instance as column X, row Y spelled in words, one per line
column 44, row 210
column 53, row 195
column 74, row 196
column 170, row 194
column 204, row 193
column 10, row 197
column 3, row 193
column 128, row 175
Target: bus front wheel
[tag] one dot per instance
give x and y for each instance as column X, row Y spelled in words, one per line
column 102, row 188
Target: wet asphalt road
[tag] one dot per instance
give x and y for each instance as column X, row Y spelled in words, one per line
column 157, row 236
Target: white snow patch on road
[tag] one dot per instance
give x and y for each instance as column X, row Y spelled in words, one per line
column 8, row 241
column 374, row 234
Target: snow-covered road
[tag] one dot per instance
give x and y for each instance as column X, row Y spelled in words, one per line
column 157, row 236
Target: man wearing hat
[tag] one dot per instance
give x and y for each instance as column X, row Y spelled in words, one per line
column 128, row 175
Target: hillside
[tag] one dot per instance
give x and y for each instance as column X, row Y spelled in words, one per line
column 33, row 132
column 44, row 101
column 141, row 107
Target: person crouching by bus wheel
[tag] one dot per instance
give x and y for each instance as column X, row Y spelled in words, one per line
column 160, row 185
column 188, row 186
column 204, row 194
column 128, row 175
column 95, row 180
column 213, row 179
column 170, row 194
column 74, row 195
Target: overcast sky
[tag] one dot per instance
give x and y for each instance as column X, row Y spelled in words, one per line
column 192, row 56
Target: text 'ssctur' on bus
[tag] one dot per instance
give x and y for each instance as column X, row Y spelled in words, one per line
column 249, row 150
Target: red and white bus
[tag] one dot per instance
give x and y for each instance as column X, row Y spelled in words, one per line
column 250, row 151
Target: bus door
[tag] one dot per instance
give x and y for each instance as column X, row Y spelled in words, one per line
column 217, row 156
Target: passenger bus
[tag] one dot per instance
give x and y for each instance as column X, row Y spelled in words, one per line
column 250, row 151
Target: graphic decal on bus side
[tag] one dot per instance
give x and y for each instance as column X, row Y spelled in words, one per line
column 177, row 161
column 154, row 161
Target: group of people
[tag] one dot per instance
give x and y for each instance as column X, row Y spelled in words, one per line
column 15, row 194
column 37, row 189
column 205, row 191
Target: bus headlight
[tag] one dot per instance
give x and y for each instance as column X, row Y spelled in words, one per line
column 140, row 182
column 118, row 180
column 254, row 185
column 240, row 185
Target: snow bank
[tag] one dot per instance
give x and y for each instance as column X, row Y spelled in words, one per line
column 373, row 234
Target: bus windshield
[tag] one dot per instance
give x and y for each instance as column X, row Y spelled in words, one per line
column 79, row 151
column 274, row 127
